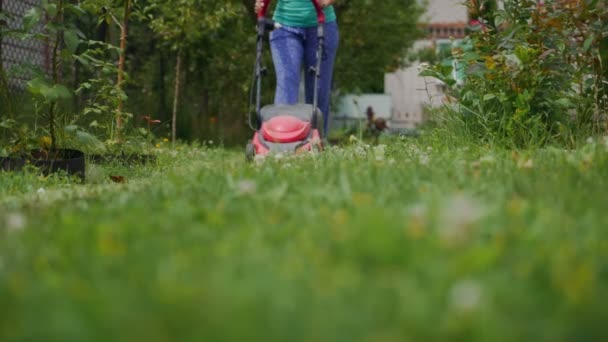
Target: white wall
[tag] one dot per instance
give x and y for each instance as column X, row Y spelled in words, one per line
column 409, row 92
column 445, row 11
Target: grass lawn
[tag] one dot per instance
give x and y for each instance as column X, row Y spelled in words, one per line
column 413, row 240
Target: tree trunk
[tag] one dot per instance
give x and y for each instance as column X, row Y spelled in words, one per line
column 121, row 64
column 55, row 70
column 163, row 110
column 178, row 67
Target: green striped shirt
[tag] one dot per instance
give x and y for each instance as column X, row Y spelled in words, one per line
column 300, row 13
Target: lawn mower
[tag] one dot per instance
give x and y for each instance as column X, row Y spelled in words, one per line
column 281, row 128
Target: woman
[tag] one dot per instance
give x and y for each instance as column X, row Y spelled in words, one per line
column 294, row 46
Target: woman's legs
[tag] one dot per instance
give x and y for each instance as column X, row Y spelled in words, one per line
column 290, row 47
column 332, row 38
column 287, row 46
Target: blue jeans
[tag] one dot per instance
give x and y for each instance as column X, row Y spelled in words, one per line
column 294, row 47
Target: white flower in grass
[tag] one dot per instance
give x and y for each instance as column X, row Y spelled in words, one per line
column 465, row 295
column 418, row 211
column 489, row 159
column 590, row 140
column 379, row 152
column 246, row 186
column 15, row 222
column 422, row 66
column 360, row 151
column 424, row 159
column 259, row 159
column 526, row 164
column 459, row 213
column 41, row 191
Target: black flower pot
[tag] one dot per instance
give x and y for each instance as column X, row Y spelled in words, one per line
column 11, row 164
column 70, row 161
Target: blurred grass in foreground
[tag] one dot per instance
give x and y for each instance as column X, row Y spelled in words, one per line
column 408, row 241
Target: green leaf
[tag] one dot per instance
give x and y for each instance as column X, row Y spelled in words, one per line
column 71, row 128
column 9, row 123
column 76, row 9
column 90, row 141
column 38, row 86
column 564, row 102
column 31, row 19
column 51, row 9
column 59, row 92
column 82, row 60
column 588, row 41
column 71, row 40
column 488, row 97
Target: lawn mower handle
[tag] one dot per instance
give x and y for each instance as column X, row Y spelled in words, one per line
column 320, row 13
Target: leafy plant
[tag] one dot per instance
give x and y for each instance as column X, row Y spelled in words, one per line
column 102, row 91
column 532, row 73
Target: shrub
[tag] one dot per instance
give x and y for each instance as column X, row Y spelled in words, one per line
column 534, row 73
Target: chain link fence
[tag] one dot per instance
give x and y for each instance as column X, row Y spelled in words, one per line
column 18, row 55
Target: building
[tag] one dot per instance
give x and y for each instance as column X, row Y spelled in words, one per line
column 444, row 21
column 407, row 94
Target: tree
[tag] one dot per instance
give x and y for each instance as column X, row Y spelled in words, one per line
column 183, row 25
column 374, row 39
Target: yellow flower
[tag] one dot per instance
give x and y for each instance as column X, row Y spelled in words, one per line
column 490, row 63
column 165, row 140
column 45, row 142
column 157, row 145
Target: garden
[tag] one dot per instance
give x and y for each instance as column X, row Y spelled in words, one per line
column 489, row 224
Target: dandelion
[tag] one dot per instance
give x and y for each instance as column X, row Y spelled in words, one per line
column 465, row 295
column 15, row 222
